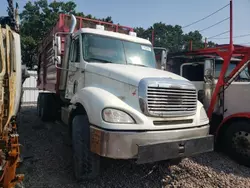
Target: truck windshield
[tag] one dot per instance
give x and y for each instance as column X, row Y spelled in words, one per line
column 244, row 75
column 103, row 49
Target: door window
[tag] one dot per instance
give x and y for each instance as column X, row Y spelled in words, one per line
column 193, row 72
column 75, row 51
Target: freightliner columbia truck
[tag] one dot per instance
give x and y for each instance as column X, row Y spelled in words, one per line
column 100, row 79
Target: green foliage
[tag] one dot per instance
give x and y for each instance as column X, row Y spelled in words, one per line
column 172, row 37
column 38, row 17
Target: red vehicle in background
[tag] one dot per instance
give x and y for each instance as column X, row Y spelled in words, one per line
column 222, row 79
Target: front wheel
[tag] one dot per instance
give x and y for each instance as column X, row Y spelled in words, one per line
column 86, row 164
column 236, row 142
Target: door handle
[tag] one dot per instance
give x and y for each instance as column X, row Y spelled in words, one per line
column 75, row 86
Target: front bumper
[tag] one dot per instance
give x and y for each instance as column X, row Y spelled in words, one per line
column 174, row 149
column 151, row 146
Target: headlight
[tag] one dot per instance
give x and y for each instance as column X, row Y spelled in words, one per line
column 116, row 116
column 203, row 116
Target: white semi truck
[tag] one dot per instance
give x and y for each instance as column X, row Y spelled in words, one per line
column 100, row 79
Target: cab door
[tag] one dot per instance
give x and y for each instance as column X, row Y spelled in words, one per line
column 75, row 77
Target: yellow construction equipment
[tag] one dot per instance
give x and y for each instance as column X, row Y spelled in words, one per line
column 10, row 96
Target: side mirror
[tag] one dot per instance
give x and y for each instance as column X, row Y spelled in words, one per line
column 58, row 45
column 163, row 59
column 208, row 70
column 58, row 50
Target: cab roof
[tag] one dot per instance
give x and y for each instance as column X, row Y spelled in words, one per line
column 114, row 35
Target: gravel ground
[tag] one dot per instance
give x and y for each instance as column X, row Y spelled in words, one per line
column 47, row 164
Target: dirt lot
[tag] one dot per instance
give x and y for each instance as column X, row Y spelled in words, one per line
column 47, row 164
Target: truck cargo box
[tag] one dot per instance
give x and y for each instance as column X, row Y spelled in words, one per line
column 48, row 75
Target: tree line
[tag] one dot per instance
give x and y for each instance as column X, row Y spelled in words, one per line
column 39, row 16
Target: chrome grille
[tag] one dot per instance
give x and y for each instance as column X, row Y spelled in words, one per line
column 166, row 97
column 169, row 101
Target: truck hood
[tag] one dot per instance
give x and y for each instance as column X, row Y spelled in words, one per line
column 130, row 74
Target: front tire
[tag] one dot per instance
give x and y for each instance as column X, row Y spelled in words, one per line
column 236, row 142
column 86, row 164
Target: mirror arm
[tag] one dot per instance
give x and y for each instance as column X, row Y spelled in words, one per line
column 64, row 68
column 57, row 67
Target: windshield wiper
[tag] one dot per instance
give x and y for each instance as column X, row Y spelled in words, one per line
column 137, row 64
column 97, row 59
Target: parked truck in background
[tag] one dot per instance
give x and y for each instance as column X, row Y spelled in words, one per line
column 227, row 107
column 100, row 80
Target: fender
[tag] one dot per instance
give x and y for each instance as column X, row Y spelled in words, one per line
column 94, row 100
column 245, row 115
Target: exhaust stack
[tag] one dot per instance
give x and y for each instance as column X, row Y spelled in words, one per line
column 73, row 25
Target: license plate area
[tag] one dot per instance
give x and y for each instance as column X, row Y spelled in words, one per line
column 152, row 152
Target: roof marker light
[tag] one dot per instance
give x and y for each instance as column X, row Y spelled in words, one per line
column 131, row 33
column 101, row 27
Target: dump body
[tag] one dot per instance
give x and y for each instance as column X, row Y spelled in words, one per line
column 48, row 74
